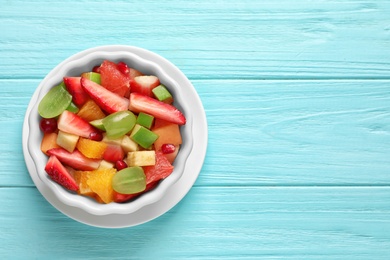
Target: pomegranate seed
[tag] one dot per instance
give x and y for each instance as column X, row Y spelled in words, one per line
column 96, row 136
column 168, row 148
column 96, row 69
column 122, row 67
column 120, row 165
column 48, row 125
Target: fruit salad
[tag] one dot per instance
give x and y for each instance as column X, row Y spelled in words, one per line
column 111, row 133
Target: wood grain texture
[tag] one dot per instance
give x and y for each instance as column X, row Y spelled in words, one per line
column 208, row 40
column 212, row 223
column 297, row 100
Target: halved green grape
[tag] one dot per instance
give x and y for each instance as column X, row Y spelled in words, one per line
column 119, row 123
column 95, row 77
column 54, row 102
column 98, row 123
column 72, row 108
column 130, row 180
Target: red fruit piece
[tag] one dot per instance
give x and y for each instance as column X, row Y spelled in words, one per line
column 141, row 103
column 60, row 174
column 113, row 153
column 96, row 69
column 134, row 73
column 113, row 78
column 122, row 67
column 75, row 159
column 73, row 85
column 119, row 197
column 144, row 85
column 48, row 125
column 96, row 136
column 73, row 124
column 162, row 169
column 106, row 100
column 120, row 165
column 168, row 148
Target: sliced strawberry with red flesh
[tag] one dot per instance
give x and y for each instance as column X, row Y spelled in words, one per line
column 73, row 124
column 75, row 159
column 158, row 109
column 60, row 174
column 144, row 85
column 119, row 197
column 113, row 153
column 106, row 100
column 115, row 77
column 162, row 169
column 73, row 85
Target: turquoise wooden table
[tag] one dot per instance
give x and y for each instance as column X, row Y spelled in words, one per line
column 297, row 98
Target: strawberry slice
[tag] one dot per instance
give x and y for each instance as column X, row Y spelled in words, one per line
column 115, row 77
column 107, row 100
column 60, row 174
column 75, row 159
column 162, row 169
column 144, row 84
column 141, row 103
column 73, row 124
column 120, row 198
column 73, row 85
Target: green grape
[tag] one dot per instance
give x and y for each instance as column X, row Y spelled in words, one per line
column 129, row 180
column 54, row 102
column 119, row 123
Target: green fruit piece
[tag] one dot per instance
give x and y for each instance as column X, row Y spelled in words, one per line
column 95, row 77
column 129, row 180
column 54, row 102
column 98, row 123
column 145, row 120
column 162, row 94
column 73, row 108
column 119, row 123
column 143, row 136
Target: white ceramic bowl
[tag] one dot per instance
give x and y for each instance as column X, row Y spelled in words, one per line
column 186, row 100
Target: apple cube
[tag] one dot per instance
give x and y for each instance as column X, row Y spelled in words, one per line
column 108, row 140
column 67, row 141
column 106, row 165
column 141, row 158
column 162, row 94
column 128, row 145
column 145, row 120
column 143, row 136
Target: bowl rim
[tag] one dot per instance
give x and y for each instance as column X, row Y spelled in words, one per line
column 163, row 68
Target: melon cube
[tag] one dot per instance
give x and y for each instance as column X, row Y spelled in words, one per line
column 141, row 158
column 168, row 133
column 67, row 141
column 48, row 142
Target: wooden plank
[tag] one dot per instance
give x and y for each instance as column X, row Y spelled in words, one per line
column 239, row 40
column 275, row 133
column 212, row 223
